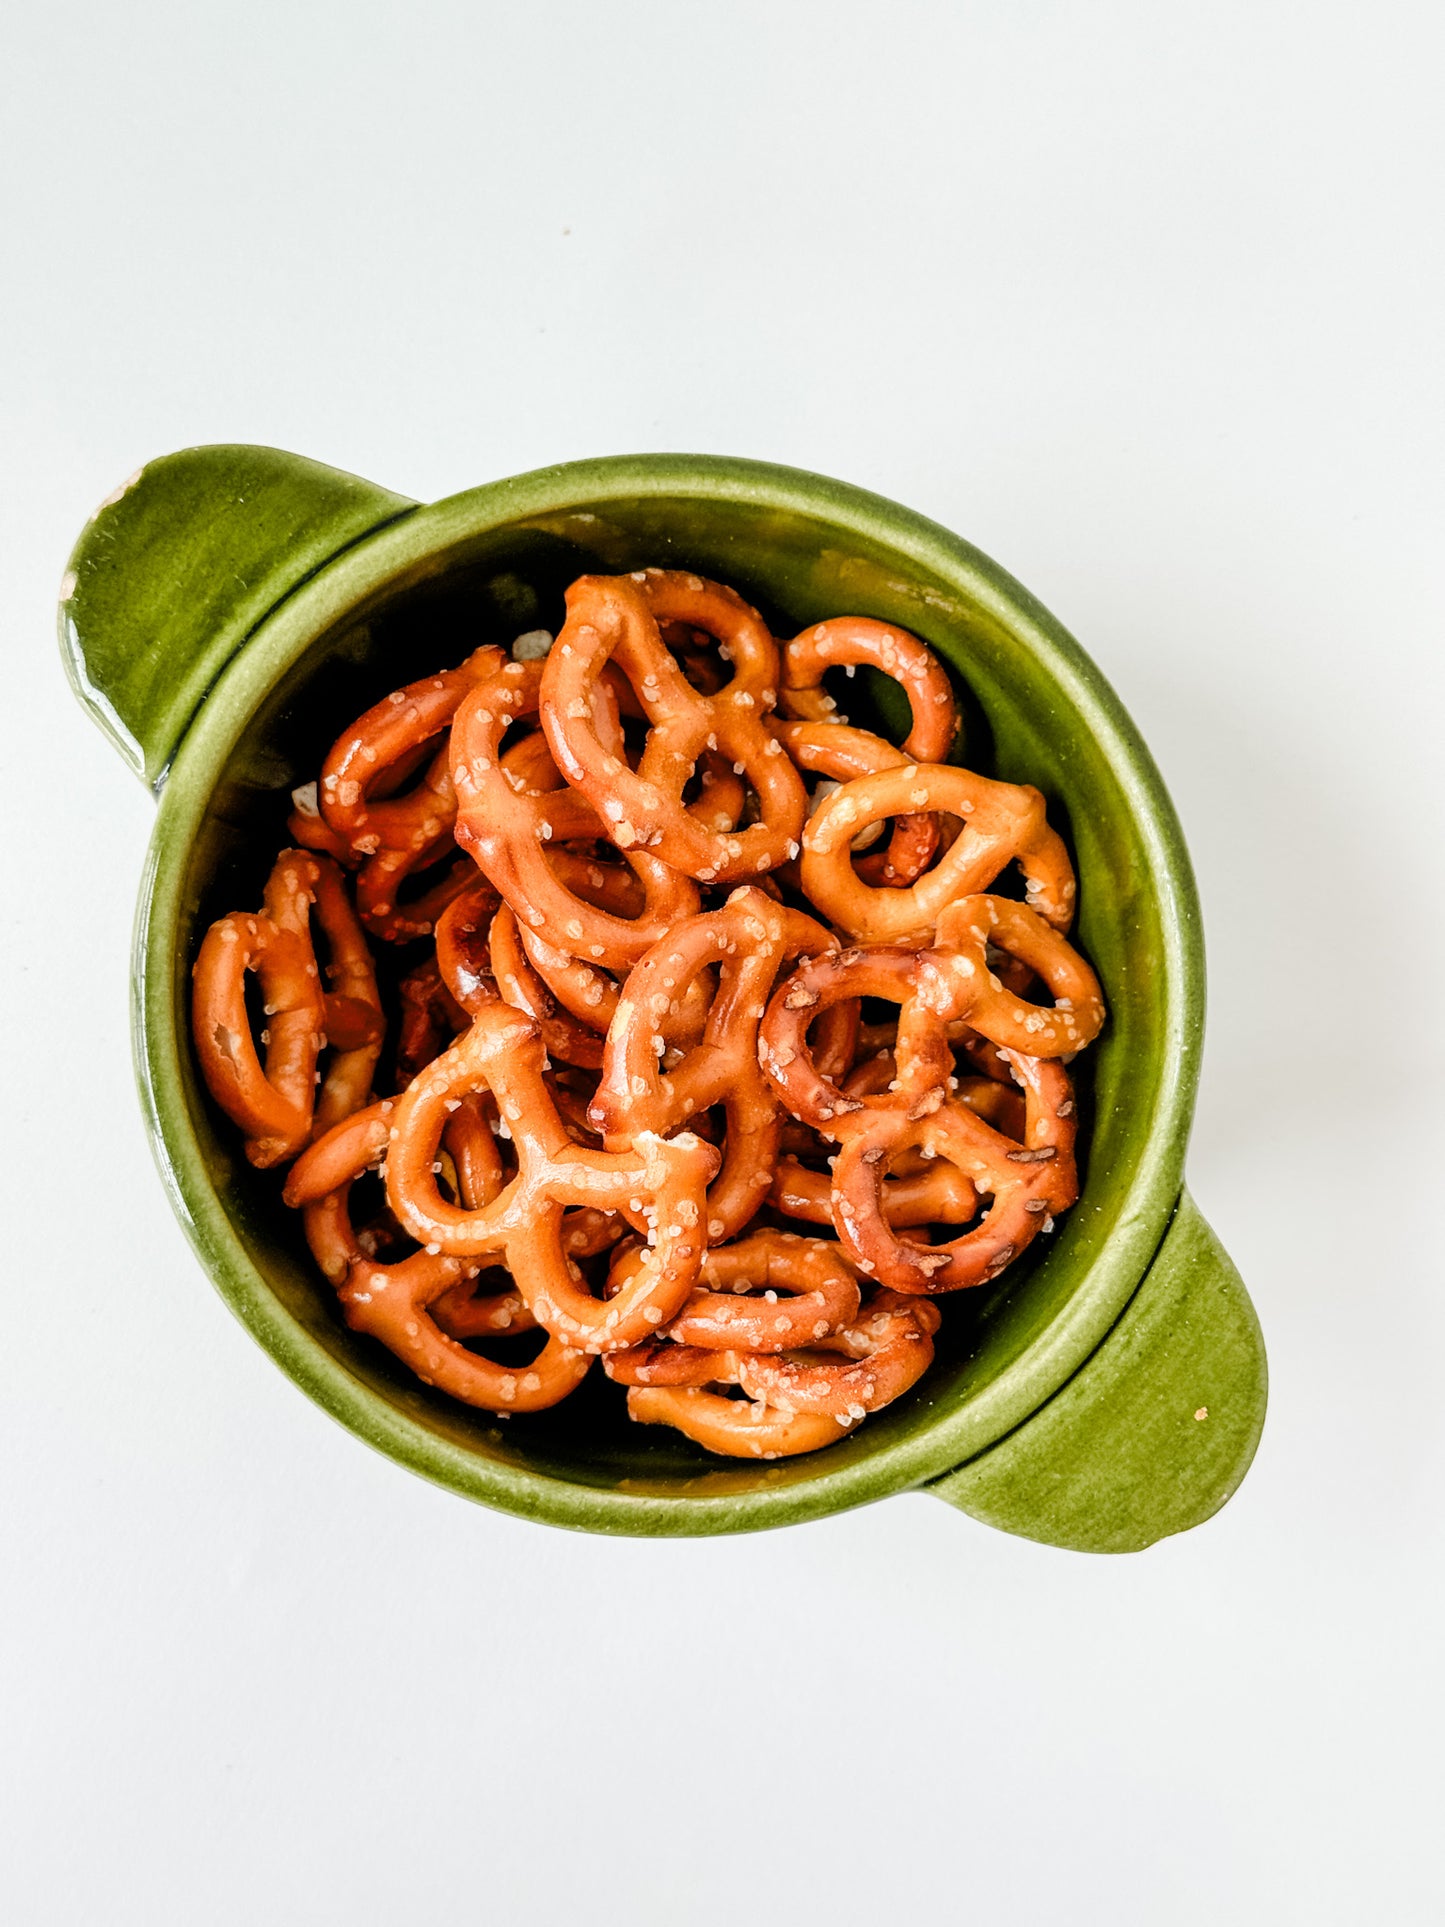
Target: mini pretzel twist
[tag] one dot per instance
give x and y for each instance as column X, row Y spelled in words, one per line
column 657, row 1185
column 420, row 1307
column 820, row 1295
column 749, row 938
column 880, row 1355
column 354, row 818
column 848, row 641
column 731, row 1427
column 519, row 984
column 355, row 1021
column 1003, row 822
column 839, row 753
column 1027, row 1182
column 275, row 1106
column 506, row 830
column 615, row 619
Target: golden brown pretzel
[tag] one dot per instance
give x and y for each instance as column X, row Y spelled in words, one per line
column 936, row 1194
column 275, row 1107
column 507, row 831
column 734, row 1428
column 393, row 835
column 615, row 618
column 878, row 1357
column 355, row 1022
column 821, row 1294
column 839, row 753
column 1027, row 1182
column 1002, row 822
column 851, row 640
column 984, row 1001
column 519, row 984
column 657, row 1185
column 421, row 1306
column 748, row 938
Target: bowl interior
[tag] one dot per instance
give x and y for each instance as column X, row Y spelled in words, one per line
column 423, row 595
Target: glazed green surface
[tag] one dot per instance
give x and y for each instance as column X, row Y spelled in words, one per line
column 179, row 565
column 1157, row 1429
column 483, row 565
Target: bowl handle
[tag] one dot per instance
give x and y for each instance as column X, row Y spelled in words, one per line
column 1154, row 1432
column 179, row 565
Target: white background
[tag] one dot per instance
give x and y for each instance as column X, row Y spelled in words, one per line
column 1145, row 300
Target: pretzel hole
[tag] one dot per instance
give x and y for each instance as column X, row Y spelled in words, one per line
column 913, row 1160
column 389, row 781
column 377, row 1230
column 518, row 1349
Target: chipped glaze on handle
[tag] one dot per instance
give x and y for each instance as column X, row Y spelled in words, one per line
column 178, row 566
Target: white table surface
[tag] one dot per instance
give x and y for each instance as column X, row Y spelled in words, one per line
column 1147, row 302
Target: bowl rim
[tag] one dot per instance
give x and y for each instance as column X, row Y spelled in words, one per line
column 939, row 1444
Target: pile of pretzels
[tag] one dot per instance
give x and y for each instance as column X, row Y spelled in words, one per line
column 659, row 892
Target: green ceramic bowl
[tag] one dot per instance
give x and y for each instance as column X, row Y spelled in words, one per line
column 229, row 607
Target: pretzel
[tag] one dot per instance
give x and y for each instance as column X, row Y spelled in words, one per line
column 505, row 830
column 822, row 1295
column 848, row 641
column 749, row 937
column 354, row 815
column 275, row 1106
column 1003, row 822
column 840, row 754
column 882, row 1354
column 355, row 1021
column 615, row 618
column 1026, row 1182
column 657, row 1185
column 980, row 997
column 521, row 987
column 936, row 1194
column 421, row 1306
column 732, row 1428
column 597, row 1047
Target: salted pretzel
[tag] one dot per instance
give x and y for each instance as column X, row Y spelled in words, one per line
column 847, row 641
column 355, row 814
column 737, row 1305
column 878, row 1357
column 275, row 1106
column 625, row 1037
column 506, row 830
column 421, row 1306
column 936, row 1194
column 1027, row 1182
column 749, row 938
column 519, row 984
column 735, row 1428
column 1002, row 823
column 658, row 1186
column 615, row 619
column 839, row 753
